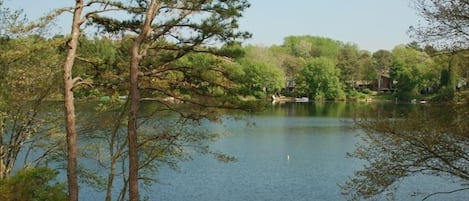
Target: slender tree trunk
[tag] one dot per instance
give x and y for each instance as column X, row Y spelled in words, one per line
column 2, row 163
column 137, row 54
column 132, row 125
column 72, row 177
column 110, row 180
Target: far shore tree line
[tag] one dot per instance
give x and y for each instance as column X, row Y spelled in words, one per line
column 317, row 67
column 171, row 52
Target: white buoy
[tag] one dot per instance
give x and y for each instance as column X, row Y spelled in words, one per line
column 288, row 157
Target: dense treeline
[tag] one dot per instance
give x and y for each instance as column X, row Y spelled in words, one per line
column 317, row 67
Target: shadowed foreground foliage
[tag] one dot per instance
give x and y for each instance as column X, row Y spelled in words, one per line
column 32, row 184
column 432, row 141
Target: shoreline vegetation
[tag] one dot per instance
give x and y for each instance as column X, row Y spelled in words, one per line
column 459, row 98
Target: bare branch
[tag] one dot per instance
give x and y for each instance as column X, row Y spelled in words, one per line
column 448, row 192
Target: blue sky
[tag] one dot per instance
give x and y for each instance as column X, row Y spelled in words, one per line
column 371, row 24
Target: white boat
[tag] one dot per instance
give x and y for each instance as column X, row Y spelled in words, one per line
column 302, row 99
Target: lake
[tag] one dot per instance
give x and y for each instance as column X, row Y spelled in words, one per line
column 290, row 157
column 293, row 151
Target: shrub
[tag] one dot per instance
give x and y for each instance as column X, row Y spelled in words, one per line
column 32, row 184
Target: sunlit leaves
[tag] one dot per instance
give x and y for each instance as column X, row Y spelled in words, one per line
column 27, row 79
column 409, row 68
column 320, row 79
column 260, row 78
column 309, row 46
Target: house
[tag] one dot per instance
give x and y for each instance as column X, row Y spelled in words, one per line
column 383, row 84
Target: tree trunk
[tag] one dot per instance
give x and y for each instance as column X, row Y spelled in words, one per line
column 137, row 55
column 110, row 180
column 72, row 177
column 132, row 125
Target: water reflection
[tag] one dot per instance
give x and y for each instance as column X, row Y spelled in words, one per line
column 322, row 109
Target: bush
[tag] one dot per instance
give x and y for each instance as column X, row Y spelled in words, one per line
column 445, row 94
column 367, row 91
column 32, row 184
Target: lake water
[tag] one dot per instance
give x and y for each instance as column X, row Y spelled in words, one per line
column 280, row 158
column 294, row 152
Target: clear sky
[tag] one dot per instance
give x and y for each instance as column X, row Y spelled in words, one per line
column 371, row 24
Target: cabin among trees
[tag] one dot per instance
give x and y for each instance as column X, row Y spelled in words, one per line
column 384, row 84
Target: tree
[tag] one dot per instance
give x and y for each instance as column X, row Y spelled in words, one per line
column 446, row 23
column 365, row 63
column 382, row 62
column 311, row 46
column 261, row 78
column 292, row 65
column 263, row 73
column 99, row 61
column 167, row 31
column 320, row 80
column 347, row 62
column 71, row 82
column 420, row 142
column 25, row 83
column 408, row 70
column 69, row 107
column 32, row 184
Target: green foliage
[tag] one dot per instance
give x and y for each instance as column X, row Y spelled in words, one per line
column 207, row 20
column 445, row 78
column 368, row 71
column 445, row 94
column 347, row 63
column 292, row 65
column 32, row 184
column 102, row 62
column 382, row 61
column 408, row 71
column 320, row 80
column 262, row 72
column 232, row 50
column 311, row 47
column 354, row 94
column 260, row 79
column 26, row 81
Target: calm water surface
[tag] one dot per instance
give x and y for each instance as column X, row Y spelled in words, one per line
column 293, row 152
column 280, row 158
